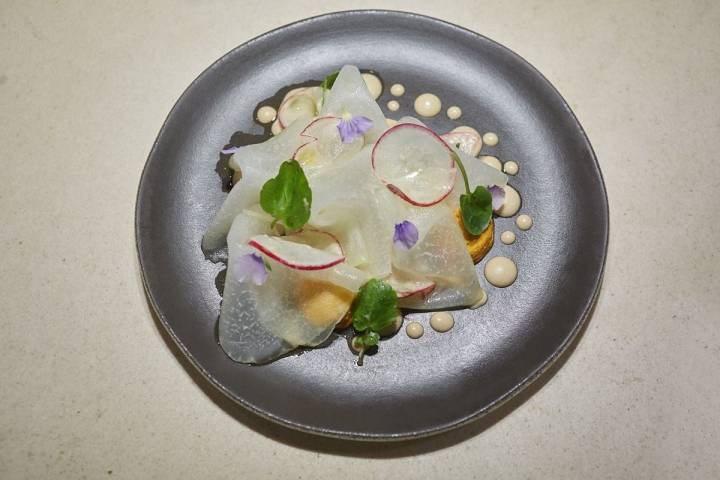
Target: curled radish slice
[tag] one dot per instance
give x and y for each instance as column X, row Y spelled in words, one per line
column 323, row 144
column 466, row 142
column 415, row 164
column 406, row 287
column 295, row 255
column 318, row 239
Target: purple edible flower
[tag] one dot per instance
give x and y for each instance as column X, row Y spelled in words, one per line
column 498, row 197
column 250, row 267
column 229, row 150
column 353, row 128
column 406, row 235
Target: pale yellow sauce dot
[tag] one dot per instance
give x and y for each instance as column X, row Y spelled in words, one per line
column 482, row 300
column 276, row 128
column 397, row 90
column 391, row 122
column 524, row 222
column 442, row 321
column 393, row 105
column 507, row 237
column 465, row 128
column 427, row 105
column 373, row 83
column 454, row 112
column 511, row 168
column 492, row 161
column 490, row 139
column 511, row 204
column 500, row 271
column 266, row 114
column 414, row 330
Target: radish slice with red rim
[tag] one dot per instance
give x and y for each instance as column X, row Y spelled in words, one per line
column 409, row 287
column 295, row 255
column 415, row 164
column 323, row 144
column 467, row 142
column 319, row 239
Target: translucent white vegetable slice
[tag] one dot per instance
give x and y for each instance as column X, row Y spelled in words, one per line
column 415, row 164
column 295, row 255
column 350, row 95
column 440, row 256
column 406, row 286
column 258, row 163
column 319, row 239
column 292, row 308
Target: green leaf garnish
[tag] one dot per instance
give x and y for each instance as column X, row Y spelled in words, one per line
column 329, row 81
column 476, row 210
column 374, row 309
column 288, row 197
column 475, row 207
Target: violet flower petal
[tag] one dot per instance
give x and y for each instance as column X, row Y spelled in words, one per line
column 250, row 267
column 406, row 235
column 498, row 197
column 353, row 128
column 229, row 150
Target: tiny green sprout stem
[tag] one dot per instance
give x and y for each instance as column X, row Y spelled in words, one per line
column 463, row 172
column 361, row 356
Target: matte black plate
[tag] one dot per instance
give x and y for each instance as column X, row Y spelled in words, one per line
column 412, row 387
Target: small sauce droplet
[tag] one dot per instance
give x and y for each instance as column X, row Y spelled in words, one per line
column 511, row 204
column 266, row 114
column 524, row 222
column 511, row 168
column 276, row 128
column 454, row 112
column 507, row 237
column 373, row 83
column 492, row 161
column 442, row 321
column 393, row 105
column 500, row 271
column 427, row 105
column 490, row 139
column 481, row 301
column 414, row 330
column 477, row 145
column 397, row 90
column 391, row 122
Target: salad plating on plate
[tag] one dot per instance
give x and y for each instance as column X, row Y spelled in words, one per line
column 343, row 218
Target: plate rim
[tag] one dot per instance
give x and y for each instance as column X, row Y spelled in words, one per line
column 344, row 435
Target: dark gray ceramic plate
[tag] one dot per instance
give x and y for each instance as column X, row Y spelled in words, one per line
column 412, row 387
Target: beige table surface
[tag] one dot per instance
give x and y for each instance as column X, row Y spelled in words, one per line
column 89, row 388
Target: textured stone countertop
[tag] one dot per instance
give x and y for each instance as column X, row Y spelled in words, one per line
column 89, row 387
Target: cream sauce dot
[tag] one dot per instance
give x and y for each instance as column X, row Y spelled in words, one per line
column 393, row 327
column 266, row 114
column 397, row 89
column 393, row 105
column 524, row 222
column 373, row 83
column 465, row 128
column 500, row 271
column 414, row 330
column 507, row 237
column 511, row 168
column 236, row 177
column 490, row 139
column 454, row 112
column 391, row 122
column 276, row 128
column 492, row 161
column 442, row 321
column 427, row 105
column 511, row 204
column 482, row 300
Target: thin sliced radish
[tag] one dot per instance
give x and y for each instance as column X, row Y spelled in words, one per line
column 295, row 255
column 415, row 164
column 324, row 144
column 407, row 287
column 467, row 142
column 325, row 241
